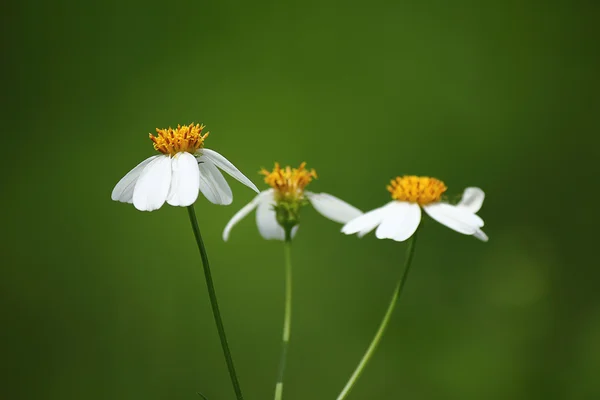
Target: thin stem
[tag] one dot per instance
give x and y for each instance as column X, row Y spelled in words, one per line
column 287, row 316
column 386, row 319
column 214, row 304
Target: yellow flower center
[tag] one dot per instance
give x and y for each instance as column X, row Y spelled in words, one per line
column 289, row 183
column 416, row 189
column 186, row 138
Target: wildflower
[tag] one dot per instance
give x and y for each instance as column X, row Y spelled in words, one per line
column 183, row 168
column 399, row 219
column 279, row 207
column 278, row 218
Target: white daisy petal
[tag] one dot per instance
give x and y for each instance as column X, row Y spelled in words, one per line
column 472, row 199
column 333, row 208
column 185, row 180
column 228, row 167
column 365, row 223
column 123, row 191
column 377, row 216
column 247, row 209
column 212, row 183
column 457, row 218
column 152, row 187
column 479, row 234
column 400, row 221
column 266, row 220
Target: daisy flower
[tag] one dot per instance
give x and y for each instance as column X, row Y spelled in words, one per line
column 279, row 206
column 399, row 219
column 183, row 168
column 277, row 218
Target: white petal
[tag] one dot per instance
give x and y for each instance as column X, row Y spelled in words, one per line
column 333, row 208
column 472, row 199
column 123, row 191
column 153, row 185
column 247, row 209
column 185, row 180
column 213, row 185
column 400, row 221
column 365, row 223
column 266, row 220
column 479, row 234
column 228, row 167
column 457, row 218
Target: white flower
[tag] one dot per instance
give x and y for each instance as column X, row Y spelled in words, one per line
column 399, row 219
column 175, row 176
column 288, row 188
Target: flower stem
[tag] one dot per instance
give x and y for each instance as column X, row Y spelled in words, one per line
column 287, row 316
column 214, row 304
column 386, row 319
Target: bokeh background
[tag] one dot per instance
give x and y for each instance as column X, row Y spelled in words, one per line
column 101, row 301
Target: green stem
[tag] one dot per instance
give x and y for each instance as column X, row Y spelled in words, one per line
column 386, row 319
column 214, row 304
column 287, row 316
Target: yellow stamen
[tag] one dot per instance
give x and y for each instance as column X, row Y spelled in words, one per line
column 186, row 138
column 289, row 183
column 417, row 189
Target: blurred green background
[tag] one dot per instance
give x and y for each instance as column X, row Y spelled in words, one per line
column 101, row 301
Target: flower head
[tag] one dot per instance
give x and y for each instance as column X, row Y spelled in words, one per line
column 288, row 188
column 289, row 183
column 416, row 189
column 183, row 168
column 187, row 138
column 278, row 208
column 400, row 218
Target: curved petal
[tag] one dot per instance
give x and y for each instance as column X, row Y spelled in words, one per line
column 479, row 234
column 243, row 212
column 185, row 180
column 266, row 220
column 123, row 191
column 400, row 221
column 153, row 185
column 454, row 217
column 213, row 185
column 472, row 199
column 228, row 167
column 333, row 208
column 365, row 223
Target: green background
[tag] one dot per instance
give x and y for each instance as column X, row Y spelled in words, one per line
column 101, row 301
